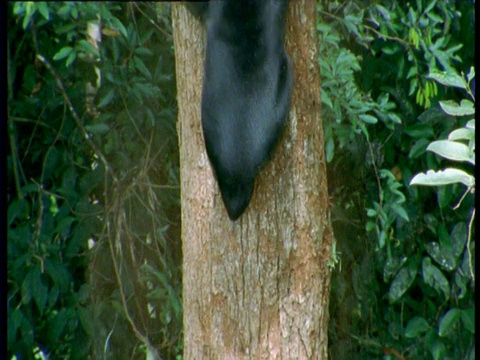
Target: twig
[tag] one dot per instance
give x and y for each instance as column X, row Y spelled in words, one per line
column 403, row 42
column 468, row 245
column 153, row 22
column 10, row 126
column 380, row 197
column 144, row 339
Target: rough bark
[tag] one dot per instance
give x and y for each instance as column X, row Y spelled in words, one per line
column 257, row 288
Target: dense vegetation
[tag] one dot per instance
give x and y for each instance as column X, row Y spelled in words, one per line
column 94, row 254
column 404, row 286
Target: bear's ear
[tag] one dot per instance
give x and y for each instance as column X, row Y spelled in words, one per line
column 198, row 9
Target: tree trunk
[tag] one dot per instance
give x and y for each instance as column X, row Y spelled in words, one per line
column 258, row 287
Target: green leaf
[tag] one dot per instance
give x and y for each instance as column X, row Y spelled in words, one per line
column 420, row 131
column 413, row 35
column 400, row 211
column 143, row 51
column 64, row 11
column 118, row 24
column 71, row 58
column 53, row 205
column 19, row 8
column 371, row 212
column 74, row 12
column 444, row 238
column 30, row 10
column 85, row 317
column 452, row 150
column 329, row 149
column 419, row 97
column 33, row 287
column 458, row 238
column 63, row 53
column 448, row 321
column 391, row 266
column 413, row 86
column 53, row 295
column 39, row 291
column 84, row 45
column 444, row 196
column 145, row 90
column 140, row 66
column 402, row 281
column 15, row 318
column 461, row 283
column 104, row 101
column 56, row 325
column 466, row 107
column 369, row 119
column 83, row 294
column 437, row 349
column 390, row 50
column 67, row 28
column 447, row 79
column 26, row 288
column 468, row 319
column 435, row 18
column 442, row 256
column 435, row 278
column 462, row 134
column 418, row 148
column 443, row 177
column 326, row 100
column 394, row 118
column 64, row 224
column 59, row 274
column 412, row 72
column 471, row 74
column 416, row 327
column 43, row 9
column 16, row 209
column 432, row 116
column 370, row 226
column 384, row 12
column 98, row 129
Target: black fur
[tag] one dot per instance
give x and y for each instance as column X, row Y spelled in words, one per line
column 246, row 92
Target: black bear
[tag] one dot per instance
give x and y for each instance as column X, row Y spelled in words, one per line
column 246, row 91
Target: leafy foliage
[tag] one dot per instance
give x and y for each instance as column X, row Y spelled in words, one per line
column 453, row 148
column 417, row 259
column 93, row 257
column 92, row 187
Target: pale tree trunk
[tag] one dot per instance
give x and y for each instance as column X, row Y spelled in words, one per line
column 257, row 288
